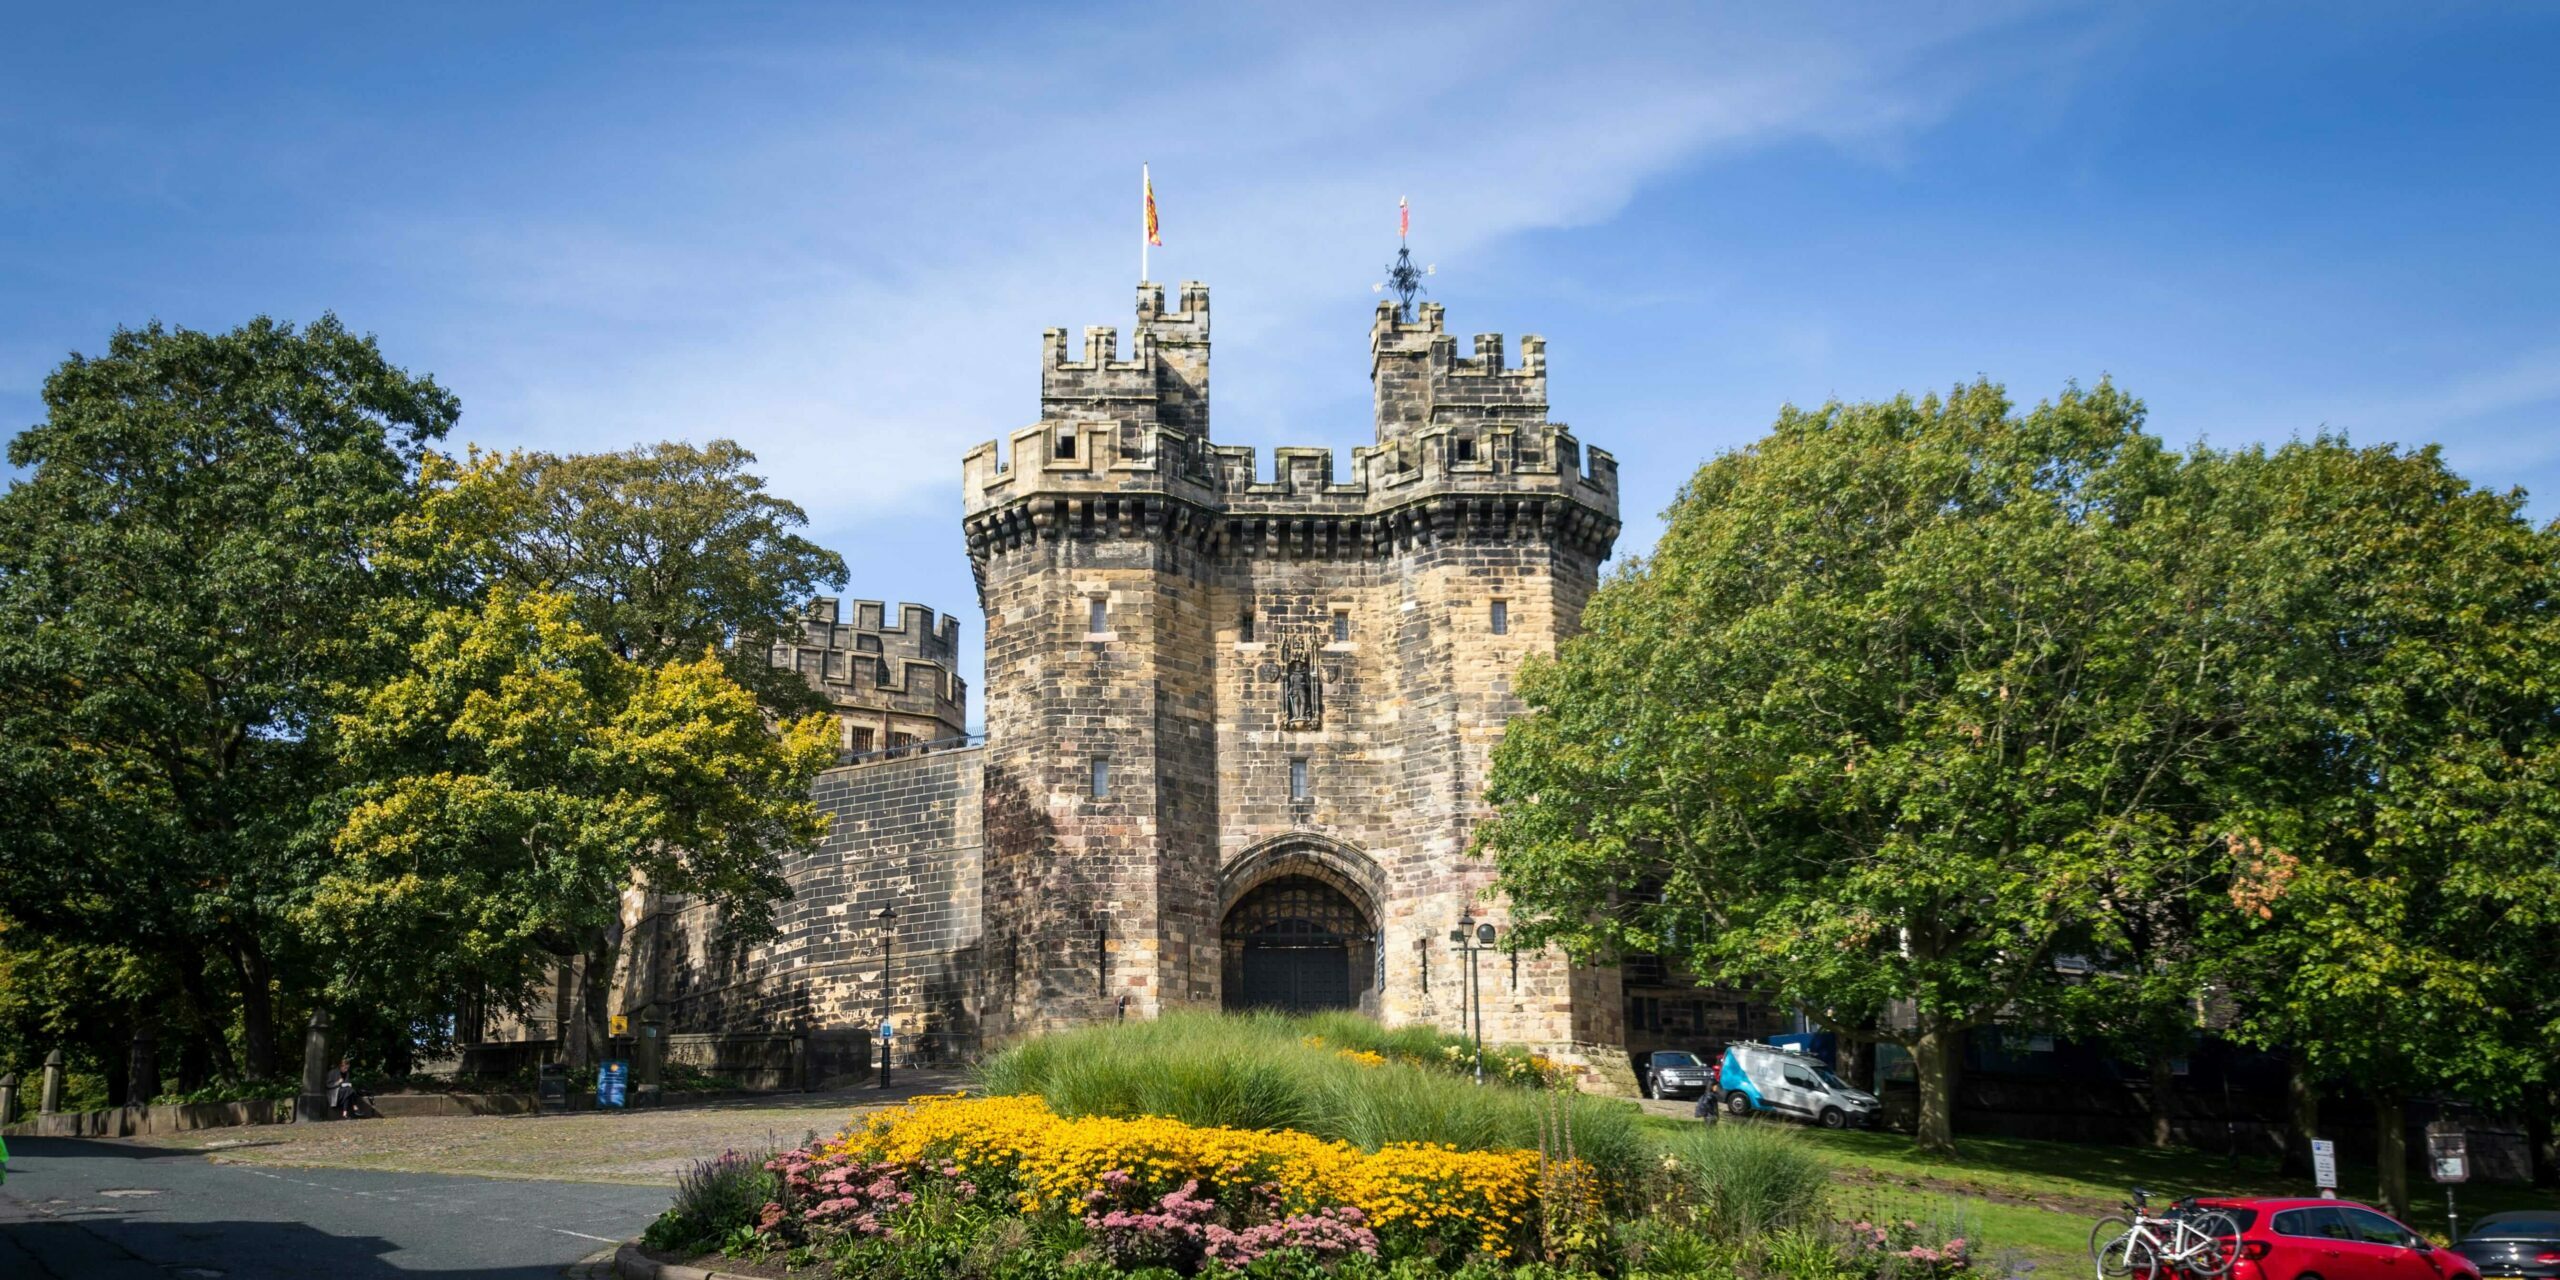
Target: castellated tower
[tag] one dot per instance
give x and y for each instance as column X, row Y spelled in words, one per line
column 1238, row 728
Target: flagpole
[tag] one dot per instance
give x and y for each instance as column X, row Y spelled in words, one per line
column 1145, row 188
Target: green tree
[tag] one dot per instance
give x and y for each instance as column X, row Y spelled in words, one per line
column 184, row 575
column 2390, row 926
column 1913, row 699
column 516, row 775
column 663, row 551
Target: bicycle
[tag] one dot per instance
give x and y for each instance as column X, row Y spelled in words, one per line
column 2185, row 1239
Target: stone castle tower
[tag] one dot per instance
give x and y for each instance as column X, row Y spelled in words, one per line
column 1238, row 728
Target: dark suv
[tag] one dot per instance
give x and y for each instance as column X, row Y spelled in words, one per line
column 1674, row 1073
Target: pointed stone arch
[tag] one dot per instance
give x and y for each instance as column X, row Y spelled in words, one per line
column 1299, row 919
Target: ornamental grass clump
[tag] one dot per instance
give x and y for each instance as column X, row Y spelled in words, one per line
column 1337, row 1076
column 1749, row 1178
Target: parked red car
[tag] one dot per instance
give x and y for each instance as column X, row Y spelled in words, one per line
column 2333, row 1240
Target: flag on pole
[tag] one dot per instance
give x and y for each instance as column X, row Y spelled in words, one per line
column 1148, row 185
column 1404, row 219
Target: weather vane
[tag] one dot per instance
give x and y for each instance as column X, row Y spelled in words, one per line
column 1402, row 276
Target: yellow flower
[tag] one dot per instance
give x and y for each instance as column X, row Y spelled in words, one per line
column 1482, row 1196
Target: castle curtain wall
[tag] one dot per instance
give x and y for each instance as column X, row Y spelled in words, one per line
column 905, row 833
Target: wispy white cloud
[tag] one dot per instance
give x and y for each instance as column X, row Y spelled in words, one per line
column 851, row 265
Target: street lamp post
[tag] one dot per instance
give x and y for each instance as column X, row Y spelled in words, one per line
column 1473, row 939
column 888, row 988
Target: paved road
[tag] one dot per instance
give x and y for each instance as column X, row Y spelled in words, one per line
column 100, row 1210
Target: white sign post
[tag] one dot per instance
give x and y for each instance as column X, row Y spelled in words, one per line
column 2324, row 1167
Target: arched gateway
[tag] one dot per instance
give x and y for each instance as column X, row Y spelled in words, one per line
column 1300, row 931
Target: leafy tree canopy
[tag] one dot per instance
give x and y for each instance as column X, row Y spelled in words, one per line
column 518, row 774
column 183, row 575
column 663, row 550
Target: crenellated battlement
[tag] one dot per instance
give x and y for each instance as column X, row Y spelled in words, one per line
column 1418, row 379
column 865, row 664
column 1164, row 378
column 1465, row 434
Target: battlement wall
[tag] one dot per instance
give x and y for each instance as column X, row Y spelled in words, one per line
column 1419, row 381
column 1163, row 380
column 890, row 680
column 1500, row 459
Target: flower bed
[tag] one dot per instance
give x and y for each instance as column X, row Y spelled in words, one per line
column 1271, row 1149
column 1424, row 1199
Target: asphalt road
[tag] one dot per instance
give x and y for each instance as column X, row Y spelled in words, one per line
column 95, row 1210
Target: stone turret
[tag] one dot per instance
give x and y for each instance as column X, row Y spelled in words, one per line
column 1164, row 382
column 1419, row 381
column 891, row 686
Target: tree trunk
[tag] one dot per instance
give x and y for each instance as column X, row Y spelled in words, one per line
column 2540, row 1148
column 568, row 1001
column 195, row 1063
column 2164, row 1085
column 2391, row 1151
column 2302, row 1120
column 257, row 1006
column 207, row 1053
column 587, row 1018
column 1936, row 1059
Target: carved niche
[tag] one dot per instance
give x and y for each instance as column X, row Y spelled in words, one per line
column 1301, row 684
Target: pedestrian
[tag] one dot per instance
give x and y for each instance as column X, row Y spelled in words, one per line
column 1707, row 1107
column 342, row 1090
column 4, row 1160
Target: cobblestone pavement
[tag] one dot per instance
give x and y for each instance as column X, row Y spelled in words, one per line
column 640, row 1148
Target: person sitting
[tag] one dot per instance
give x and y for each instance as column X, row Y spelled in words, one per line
column 346, row 1102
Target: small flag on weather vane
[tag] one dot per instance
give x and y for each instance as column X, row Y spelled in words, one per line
column 1404, row 219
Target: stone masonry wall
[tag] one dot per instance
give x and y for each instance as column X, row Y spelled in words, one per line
column 906, row 833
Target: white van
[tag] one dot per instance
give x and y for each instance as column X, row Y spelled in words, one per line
column 1758, row 1077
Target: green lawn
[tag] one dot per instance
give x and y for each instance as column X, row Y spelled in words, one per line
column 2039, row 1198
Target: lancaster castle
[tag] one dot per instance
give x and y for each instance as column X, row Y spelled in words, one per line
column 1237, row 727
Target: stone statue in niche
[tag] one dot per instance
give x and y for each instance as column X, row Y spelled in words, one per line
column 1301, row 684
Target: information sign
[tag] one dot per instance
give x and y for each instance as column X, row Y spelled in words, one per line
column 2448, row 1154
column 613, row 1080
column 2324, row 1163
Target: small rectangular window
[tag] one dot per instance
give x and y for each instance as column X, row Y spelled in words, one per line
column 1501, row 617
column 1066, row 444
column 1097, row 615
column 1244, row 626
column 1466, row 449
column 1341, row 626
column 857, row 739
column 1298, row 778
column 1101, row 778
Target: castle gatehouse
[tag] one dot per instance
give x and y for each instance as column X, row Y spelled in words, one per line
column 1237, row 722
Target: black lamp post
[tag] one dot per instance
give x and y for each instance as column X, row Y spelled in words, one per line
column 888, row 989
column 1474, row 939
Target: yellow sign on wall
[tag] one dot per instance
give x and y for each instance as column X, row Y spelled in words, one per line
column 620, row 1024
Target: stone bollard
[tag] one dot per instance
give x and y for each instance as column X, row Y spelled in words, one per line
column 50, row 1100
column 9, row 1098
column 649, row 1054
column 314, row 1102
column 142, row 1068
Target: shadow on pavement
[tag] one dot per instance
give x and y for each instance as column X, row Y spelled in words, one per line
column 22, row 1150
column 117, row 1248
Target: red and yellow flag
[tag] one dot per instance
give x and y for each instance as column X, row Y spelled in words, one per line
column 1148, row 185
column 1404, row 219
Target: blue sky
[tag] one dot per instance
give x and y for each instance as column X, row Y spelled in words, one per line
column 835, row 232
